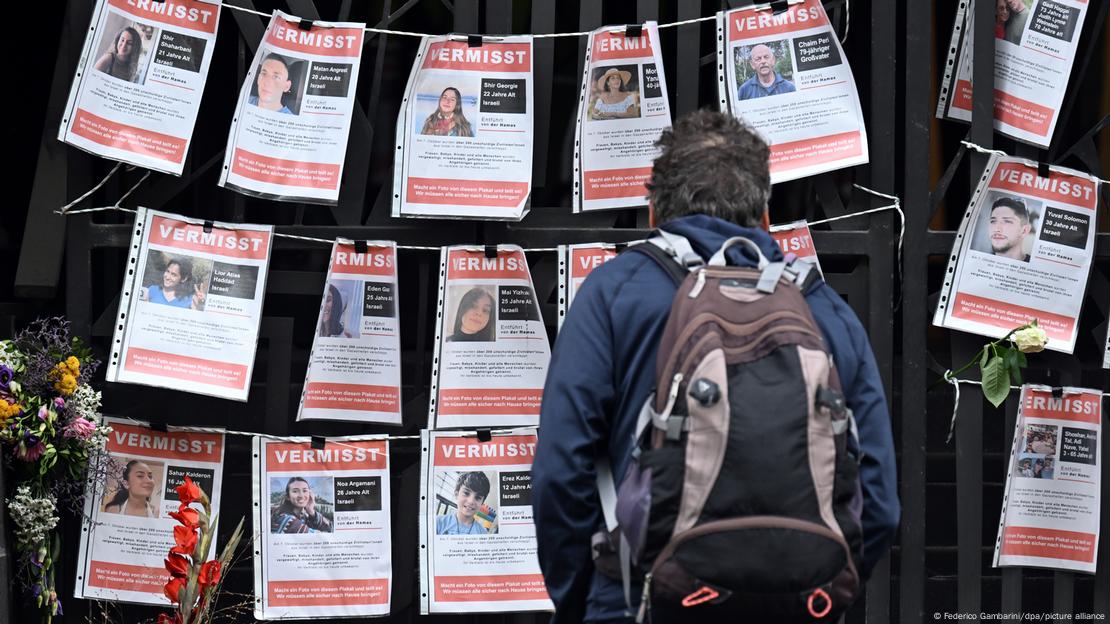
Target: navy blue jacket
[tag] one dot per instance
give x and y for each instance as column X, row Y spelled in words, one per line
column 602, row 369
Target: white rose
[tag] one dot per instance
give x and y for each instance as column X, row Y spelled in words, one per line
column 1030, row 339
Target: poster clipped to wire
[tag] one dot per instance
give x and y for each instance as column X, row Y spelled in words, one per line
column 1035, row 44
column 354, row 368
column 464, row 133
column 786, row 75
column 491, row 346
column 795, row 238
column 191, row 305
column 289, row 134
column 622, row 110
column 575, row 263
column 1023, row 252
column 1050, row 510
column 477, row 535
column 139, row 81
column 1106, row 353
column 128, row 530
column 322, row 528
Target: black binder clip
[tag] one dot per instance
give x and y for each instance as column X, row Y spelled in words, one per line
column 491, row 251
column 485, row 435
column 159, row 425
column 208, row 227
column 305, row 24
column 779, row 6
column 619, row 247
column 1043, row 170
column 474, row 41
column 1057, row 392
column 318, row 442
column 634, row 30
column 360, row 247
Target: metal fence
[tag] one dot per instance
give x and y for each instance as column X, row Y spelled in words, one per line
column 951, row 494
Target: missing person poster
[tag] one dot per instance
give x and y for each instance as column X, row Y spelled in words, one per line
column 1022, row 252
column 138, row 84
column 464, row 133
column 322, row 528
column 477, row 536
column 795, row 238
column 128, row 530
column 786, row 75
column 190, row 305
column 1034, row 48
column 289, row 135
column 575, row 263
column 1050, row 511
column 491, row 346
column 354, row 368
column 622, row 110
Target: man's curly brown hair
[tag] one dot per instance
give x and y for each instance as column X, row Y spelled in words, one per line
column 711, row 163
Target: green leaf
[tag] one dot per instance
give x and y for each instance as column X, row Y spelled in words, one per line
column 996, row 381
column 1013, row 366
column 1022, row 362
column 983, row 360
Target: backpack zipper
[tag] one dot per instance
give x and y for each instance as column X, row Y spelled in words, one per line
column 645, row 599
column 698, row 285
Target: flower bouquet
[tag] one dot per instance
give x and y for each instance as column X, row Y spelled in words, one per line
column 49, row 429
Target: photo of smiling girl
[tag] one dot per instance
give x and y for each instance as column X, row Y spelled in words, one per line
column 475, row 319
column 137, row 489
column 301, row 507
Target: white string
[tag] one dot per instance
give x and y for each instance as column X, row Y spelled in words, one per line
column 985, row 150
column 132, row 189
column 94, row 189
column 955, row 403
column 847, row 19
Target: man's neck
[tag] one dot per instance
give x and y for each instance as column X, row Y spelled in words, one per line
column 770, row 80
column 1014, row 252
column 270, row 105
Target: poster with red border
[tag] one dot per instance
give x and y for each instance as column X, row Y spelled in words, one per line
column 354, row 368
column 796, row 238
column 622, row 111
column 575, row 263
column 785, row 74
column 191, row 305
column 322, row 528
column 128, row 532
column 137, row 88
column 1034, row 50
column 491, row 350
column 477, row 535
column 1052, row 502
column 1022, row 252
column 288, row 137
column 464, row 133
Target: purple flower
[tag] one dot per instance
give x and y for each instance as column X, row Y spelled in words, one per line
column 59, row 403
column 79, row 428
column 29, row 451
column 6, row 375
column 44, row 413
column 36, row 589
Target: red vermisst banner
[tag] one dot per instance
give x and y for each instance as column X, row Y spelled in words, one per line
column 249, row 244
column 466, row 264
column 500, row 451
column 376, row 261
column 183, row 13
column 582, row 261
column 1085, row 407
column 136, row 440
column 747, row 23
column 609, row 46
column 288, row 35
column 488, row 57
column 1057, row 186
column 351, row 455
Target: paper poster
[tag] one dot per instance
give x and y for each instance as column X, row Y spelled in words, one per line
column 322, row 528
column 1106, row 354
column 138, row 84
column 464, row 133
column 1050, row 511
column 795, row 238
column 477, row 536
column 128, row 530
column 622, row 110
column 354, row 368
column 575, row 263
column 491, row 345
column 190, row 305
column 1034, row 47
column 786, row 75
column 1023, row 252
column 289, row 134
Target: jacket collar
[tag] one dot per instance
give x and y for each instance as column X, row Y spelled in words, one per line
column 706, row 235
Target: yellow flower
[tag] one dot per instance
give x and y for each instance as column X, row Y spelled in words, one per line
column 74, row 365
column 66, row 384
column 7, row 410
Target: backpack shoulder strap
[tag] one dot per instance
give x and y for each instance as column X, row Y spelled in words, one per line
column 673, row 254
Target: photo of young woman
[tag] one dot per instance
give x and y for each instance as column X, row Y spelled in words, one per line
column 297, row 510
column 475, row 318
column 336, row 303
column 122, row 58
column 615, row 95
column 181, row 282
column 448, row 118
column 136, row 492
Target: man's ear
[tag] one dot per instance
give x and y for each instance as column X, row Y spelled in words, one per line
column 651, row 214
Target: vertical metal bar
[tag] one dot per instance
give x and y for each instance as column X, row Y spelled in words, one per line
column 1011, row 576
column 543, row 68
column 466, row 16
column 687, row 60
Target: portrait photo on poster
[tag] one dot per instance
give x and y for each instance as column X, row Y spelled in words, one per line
column 341, row 314
column 302, row 505
column 125, row 48
column 615, row 92
column 1034, row 466
column 471, row 314
column 466, row 502
column 134, row 487
column 279, row 84
column 1007, row 226
column 764, row 69
column 176, row 280
column 448, row 109
column 1010, row 18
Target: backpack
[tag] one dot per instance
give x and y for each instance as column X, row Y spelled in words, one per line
column 742, row 496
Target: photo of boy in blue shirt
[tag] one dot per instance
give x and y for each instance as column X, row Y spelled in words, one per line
column 471, row 491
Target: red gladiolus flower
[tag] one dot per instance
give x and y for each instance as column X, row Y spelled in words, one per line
column 164, row 618
column 209, row 573
column 177, row 565
column 186, row 540
column 187, row 516
column 188, row 492
column 173, row 589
